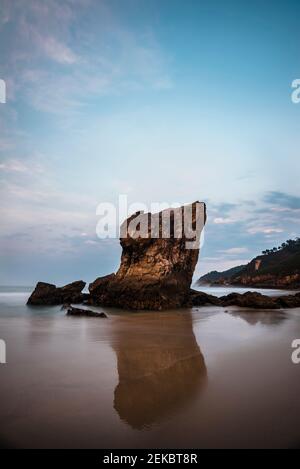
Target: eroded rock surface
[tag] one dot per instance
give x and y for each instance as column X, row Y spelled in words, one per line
column 246, row 300
column 48, row 294
column 156, row 271
column 198, row 298
column 85, row 312
column 249, row 300
column 100, row 285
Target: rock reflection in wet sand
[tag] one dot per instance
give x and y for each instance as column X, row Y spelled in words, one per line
column 160, row 366
column 260, row 317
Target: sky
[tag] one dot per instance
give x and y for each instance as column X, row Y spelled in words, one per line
column 163, row 101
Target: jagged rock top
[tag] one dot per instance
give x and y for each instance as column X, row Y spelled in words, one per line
column 49, row 294
column 159, row 255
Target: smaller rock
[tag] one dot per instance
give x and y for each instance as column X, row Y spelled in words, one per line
column 249, row 300
column 48, row 294
column 201, row 299
column 100, row 285
column 289, row 301
column 85, row 312
column 71, row 293
column 44, row 294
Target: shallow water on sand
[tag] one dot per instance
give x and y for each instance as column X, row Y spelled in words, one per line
column 196, row 377
column 221, row 290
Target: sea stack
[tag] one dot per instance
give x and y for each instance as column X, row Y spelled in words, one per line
column 159, row 254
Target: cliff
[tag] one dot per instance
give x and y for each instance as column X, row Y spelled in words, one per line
column 216, row 276
column 275, row 268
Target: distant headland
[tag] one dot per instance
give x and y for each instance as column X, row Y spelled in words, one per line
column 278, row 267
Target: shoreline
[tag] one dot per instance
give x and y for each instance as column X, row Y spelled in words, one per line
column 256, row 287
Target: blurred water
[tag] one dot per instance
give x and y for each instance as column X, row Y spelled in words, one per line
column 221, row 290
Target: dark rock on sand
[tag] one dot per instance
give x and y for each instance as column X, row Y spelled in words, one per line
column 289, row 301
column 85, row 312
column 201, row 299
column 100, row 285
column 246, row 300
column 48, row 294
column 249, row 300
column 155, row 272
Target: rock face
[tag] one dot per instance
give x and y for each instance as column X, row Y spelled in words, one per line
column 290, row 281
column 156, row 270
column 289, row 301
column 245, row 300
column 84, row 312
column 198, row 298
column 275, row 268
column 100, row 285
column 219, row 278
column 249, row 300
column 48, row 294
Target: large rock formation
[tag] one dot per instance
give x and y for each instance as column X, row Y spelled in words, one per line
column 48, row 294
column 159, row 256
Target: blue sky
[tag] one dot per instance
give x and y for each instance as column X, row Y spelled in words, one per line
column 166, row 101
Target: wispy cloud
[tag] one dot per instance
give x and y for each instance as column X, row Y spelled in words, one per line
column 248, row 228
column 223, row 220
column 234, row 251
column 283, row 200
column 59, row 72
column 265, row 230
column 58, row 51
column 18, row 166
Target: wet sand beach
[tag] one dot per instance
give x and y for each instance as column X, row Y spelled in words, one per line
column 198, row 377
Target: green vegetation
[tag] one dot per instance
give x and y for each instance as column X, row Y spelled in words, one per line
column 292, row 245
column 276, row 263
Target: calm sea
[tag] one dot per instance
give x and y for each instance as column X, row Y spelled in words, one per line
column 199, row 377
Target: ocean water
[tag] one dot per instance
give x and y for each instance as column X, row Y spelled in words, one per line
column 221, row 290
column 195, row 377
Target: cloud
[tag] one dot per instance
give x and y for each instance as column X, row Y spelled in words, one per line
column 282, row 199
column 223, row 221
column 265, row 230
column 18, row 166
column 58, row 61
column 244, row 228
column 225, row 208
column 91, row 242
column 234, row 251
column 58, row 51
